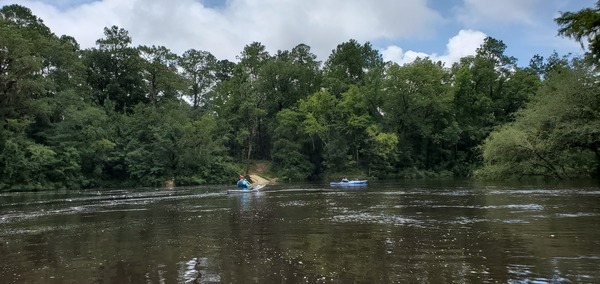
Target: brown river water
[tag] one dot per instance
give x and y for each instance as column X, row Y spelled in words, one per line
column 428, row 231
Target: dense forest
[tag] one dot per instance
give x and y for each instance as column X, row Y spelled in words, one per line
column 120, row 115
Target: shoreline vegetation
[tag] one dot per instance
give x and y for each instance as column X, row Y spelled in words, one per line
column 260, row 173
column 118, row 115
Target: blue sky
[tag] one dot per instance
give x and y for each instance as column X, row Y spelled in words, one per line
column 400, row 29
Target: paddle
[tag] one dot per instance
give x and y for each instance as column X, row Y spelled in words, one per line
column 259, row 182
column 258, row 187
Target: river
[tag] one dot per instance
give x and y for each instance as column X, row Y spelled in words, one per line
column 428, row 231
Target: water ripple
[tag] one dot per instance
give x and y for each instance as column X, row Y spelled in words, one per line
column 373, row 218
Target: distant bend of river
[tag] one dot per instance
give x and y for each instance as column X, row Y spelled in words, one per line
column 428, row 231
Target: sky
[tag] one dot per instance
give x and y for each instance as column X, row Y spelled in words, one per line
column 401, row 30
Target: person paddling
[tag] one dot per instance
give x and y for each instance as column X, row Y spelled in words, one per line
column 243, row 184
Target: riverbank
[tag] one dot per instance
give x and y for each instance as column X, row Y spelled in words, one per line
column 259, row 173
column 258, row 180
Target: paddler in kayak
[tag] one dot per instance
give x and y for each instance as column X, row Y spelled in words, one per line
column 243, row 184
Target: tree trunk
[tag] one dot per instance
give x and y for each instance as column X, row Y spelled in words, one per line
column 251, row 139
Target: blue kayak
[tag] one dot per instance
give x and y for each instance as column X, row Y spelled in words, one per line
column 256, row 189
column 349, row 183
column 234, row 191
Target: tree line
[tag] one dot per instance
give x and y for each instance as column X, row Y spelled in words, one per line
column 119, row 115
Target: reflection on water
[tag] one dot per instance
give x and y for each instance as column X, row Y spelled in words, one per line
column 196, row 270
column 387, row 232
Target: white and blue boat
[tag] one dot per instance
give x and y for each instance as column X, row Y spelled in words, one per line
column 349, row 183
column 250, row 190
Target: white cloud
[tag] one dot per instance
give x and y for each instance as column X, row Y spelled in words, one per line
column 526, row 26
column 396, row 54
column 465, row 43
column 278, row 24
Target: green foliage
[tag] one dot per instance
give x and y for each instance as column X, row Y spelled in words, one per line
column 351, row 64
column 21, row 63
column 200, row 71
column 322, row 124
column 84, row 130
column 557, row 135
column 165, row 142
column 115, row 71
column 119, row 115
column 582, row 25
column 489, row 89
column 241, row 103
column 381, row 151
column 320, row 110
column 27, row 165
column 160, row 73
column 22, row 17
column 289, row 147
column 38, row 72
column 420, row 110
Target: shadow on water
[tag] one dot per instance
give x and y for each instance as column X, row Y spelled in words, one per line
column 418, row 231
